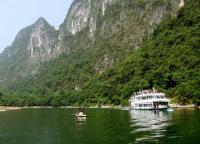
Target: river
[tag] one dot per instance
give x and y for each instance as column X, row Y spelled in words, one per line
column 102, row 126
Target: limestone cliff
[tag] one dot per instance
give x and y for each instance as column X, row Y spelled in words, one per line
column 84, row 13
column 32, row 46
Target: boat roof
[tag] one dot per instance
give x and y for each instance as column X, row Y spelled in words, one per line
column 149, row 94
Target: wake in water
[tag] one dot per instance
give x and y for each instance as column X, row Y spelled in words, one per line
column 149, row 125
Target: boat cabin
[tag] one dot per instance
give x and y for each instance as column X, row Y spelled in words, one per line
column 148, row 99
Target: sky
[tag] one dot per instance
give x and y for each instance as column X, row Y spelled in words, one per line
column 17, row 14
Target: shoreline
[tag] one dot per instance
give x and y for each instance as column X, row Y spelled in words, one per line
column 176, row 106
column 6, row 108
column 11, row 108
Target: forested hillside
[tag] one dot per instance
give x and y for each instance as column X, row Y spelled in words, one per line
column 169, row 60
column 136, row 45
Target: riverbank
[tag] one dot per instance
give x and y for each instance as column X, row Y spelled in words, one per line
column 176, row 106
column 7, row 108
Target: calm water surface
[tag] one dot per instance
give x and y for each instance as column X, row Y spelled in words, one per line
column 59, row 126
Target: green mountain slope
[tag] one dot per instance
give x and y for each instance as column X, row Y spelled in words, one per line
column 169, row 60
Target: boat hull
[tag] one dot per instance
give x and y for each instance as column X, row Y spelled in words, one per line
column 149, row 108
column 81, row 115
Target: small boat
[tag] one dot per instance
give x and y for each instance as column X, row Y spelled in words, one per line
column 80, row 114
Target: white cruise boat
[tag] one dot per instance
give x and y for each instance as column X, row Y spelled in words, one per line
column 149, row 100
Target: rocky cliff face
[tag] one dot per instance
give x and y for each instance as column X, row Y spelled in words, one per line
column 42, row 41
column 32, row 46
column 41, row 45
column 84, row 13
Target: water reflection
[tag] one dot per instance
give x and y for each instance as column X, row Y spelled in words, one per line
column 81, row 120
column 149, row 125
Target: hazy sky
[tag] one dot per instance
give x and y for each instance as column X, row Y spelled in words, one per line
column 17, row 14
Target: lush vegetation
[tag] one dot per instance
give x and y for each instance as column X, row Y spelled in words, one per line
column 168, row 60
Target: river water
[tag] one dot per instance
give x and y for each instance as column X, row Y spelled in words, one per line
column 102, row 126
